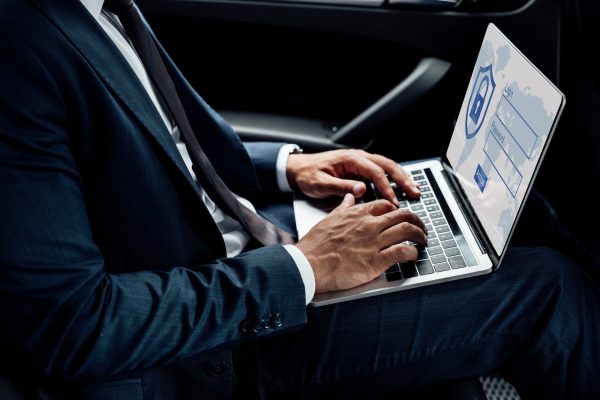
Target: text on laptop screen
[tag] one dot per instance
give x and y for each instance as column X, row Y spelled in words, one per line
column 505, row 120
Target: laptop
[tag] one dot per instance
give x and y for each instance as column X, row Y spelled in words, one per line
column 471, row 200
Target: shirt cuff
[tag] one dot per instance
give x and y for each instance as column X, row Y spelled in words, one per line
column 281, row 167
column 306, row 272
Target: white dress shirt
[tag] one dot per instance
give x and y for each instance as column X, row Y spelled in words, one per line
column 234, row 235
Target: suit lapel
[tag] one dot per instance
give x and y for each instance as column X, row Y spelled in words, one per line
column 93, row 43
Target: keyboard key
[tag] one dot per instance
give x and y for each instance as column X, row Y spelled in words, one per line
column 416, row 172
column 431, row 235
column 422, row 255
column 430, row 202
column 408, row 269
column 416, row 207
column 423, row 183
column 448, row 243
column 418, row 177
column 439, row 221
column 393, row 268
column 442, row 229
column 421, row 214
column 434, row 251
column 429, row 227
column 425, row 267
column 424, row 188
column 433, row 242
column 433, row 208
column 403, row 204
column 427, row 195
column 446, row 236
column 452, row 251
column 426, row 220
column 437, row 214
column 394, row 276
column 457, row 262
column 442, row 267
column 440, row 258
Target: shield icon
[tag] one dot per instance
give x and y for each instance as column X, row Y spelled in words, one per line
column 479, row 102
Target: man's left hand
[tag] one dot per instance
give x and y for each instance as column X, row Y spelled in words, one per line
column 331, row 173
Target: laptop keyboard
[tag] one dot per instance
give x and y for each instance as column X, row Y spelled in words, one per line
column 442, row 252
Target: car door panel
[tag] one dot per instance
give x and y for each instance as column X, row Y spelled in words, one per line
column 305, row 72
column 328, row 64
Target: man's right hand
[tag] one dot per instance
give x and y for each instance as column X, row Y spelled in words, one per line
column 354, row 244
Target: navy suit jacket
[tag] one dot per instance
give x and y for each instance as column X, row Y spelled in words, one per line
column 109, row 260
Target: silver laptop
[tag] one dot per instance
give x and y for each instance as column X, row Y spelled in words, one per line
column 470, row 201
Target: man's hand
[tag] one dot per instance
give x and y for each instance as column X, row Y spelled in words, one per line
column 326, row 174
column 355, row 243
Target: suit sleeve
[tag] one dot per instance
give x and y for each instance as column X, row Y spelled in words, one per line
column 59, row 308
column 264, row 157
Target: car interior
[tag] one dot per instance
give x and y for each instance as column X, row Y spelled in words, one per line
column 389, row 76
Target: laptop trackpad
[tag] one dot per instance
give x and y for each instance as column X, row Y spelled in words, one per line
column 309, row 212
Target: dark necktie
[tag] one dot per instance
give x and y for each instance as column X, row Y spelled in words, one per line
column 261, row 229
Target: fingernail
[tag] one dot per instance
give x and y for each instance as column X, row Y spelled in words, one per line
column 356, row 189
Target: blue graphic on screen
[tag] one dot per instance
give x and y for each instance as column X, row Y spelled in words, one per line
column 479, row 102
column 481, row 178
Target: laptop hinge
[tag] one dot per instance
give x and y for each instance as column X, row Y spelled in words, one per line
column 463, row 202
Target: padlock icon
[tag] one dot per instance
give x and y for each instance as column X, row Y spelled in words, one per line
column 479, row 100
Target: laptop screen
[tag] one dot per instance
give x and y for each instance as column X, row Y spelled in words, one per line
column 504, row 124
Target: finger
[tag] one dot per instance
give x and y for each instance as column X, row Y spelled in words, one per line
column 401, row 232
column 331, row 186
column 397, row 173
column 357, row 164
column 397, row 216
column 379, row 207
column 397, row 253
column 346, row 203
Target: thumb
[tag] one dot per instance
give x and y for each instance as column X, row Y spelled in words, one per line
column 332, row 186
column 346, row 203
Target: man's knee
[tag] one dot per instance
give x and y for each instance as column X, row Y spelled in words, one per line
column 541, row 263
column 547, row 272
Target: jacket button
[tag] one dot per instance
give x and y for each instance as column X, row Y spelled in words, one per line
column 257, row 327
column 276, row 320
column 217, row 368
column 246, row 327
column 265, row 322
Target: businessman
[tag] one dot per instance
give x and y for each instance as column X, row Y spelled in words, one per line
column 146, row 253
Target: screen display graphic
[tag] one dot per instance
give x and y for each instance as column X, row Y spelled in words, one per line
column 504, row 123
